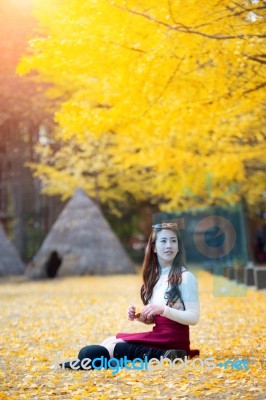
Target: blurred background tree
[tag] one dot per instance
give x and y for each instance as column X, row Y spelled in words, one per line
column 154, row 108
column 25, row 214
column 168, row 93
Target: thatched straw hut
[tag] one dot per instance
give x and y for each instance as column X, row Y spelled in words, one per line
column 10, row 263
column 84, row 241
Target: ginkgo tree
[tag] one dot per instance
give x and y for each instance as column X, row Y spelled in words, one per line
column 170, row 93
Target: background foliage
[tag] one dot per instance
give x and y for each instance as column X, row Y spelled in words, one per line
column 153, row 98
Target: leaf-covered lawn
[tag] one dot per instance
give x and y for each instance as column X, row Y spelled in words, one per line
column 42, row 322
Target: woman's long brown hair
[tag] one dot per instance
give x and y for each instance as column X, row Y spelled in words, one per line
column 151, row 269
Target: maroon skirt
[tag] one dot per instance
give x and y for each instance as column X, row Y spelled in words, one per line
column 166, row 335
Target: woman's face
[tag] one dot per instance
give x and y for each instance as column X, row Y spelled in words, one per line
column 166, row 247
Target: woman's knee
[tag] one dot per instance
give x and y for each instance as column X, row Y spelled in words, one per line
column 93, row 351
column 84, row 352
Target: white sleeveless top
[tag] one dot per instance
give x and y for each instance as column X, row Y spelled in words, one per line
column 189, row 293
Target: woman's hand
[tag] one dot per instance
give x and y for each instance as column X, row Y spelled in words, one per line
column 141, row 318
column 132, row 316
column 131, row 313
column 150, row 311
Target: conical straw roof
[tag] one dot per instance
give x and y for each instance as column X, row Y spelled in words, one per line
column 85, row 241
column 10, row 263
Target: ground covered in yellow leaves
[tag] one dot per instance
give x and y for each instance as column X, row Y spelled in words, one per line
column 46, row 321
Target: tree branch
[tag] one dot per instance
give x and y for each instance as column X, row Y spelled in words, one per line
column 186, row 29
column 172, row 16
column 262, row 85
column 169, row 81
column 255, row 58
